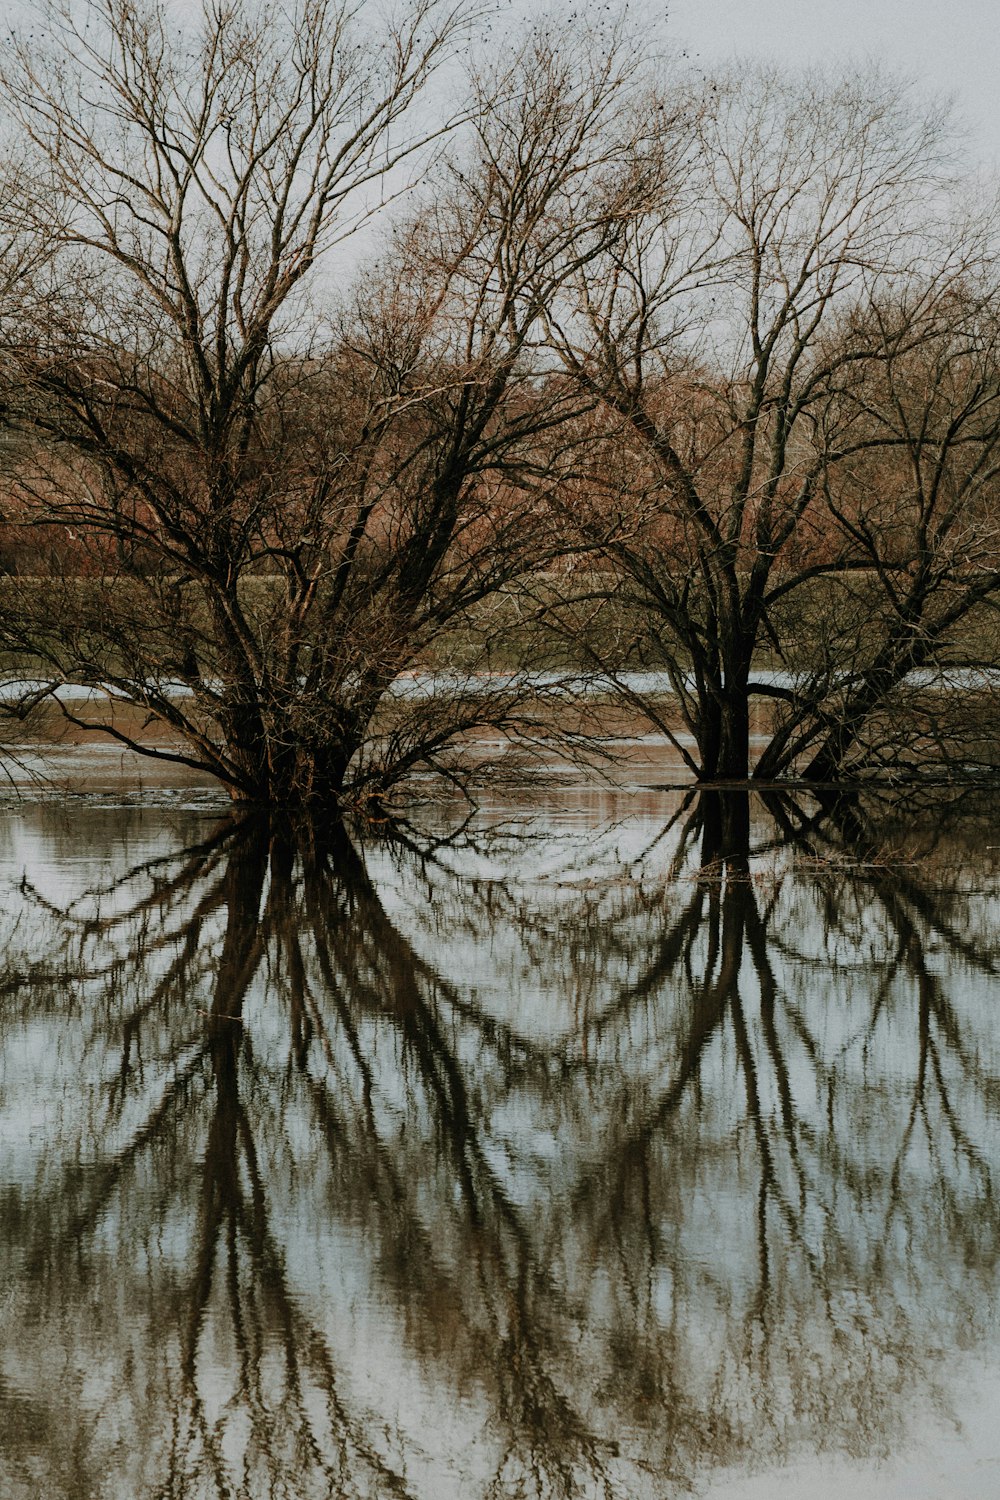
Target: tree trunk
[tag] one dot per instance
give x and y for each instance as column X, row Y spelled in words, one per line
column 724, row 732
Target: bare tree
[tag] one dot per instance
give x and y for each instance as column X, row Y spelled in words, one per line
column 773, row 338
column 907, row 502
column 279, row 511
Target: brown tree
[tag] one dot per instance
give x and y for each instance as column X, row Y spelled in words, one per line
column 285, row 506
column 796, row 353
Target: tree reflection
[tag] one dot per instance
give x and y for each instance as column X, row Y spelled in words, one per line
column 545, row 1171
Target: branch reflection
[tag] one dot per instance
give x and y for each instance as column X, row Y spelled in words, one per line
column 571, row 1166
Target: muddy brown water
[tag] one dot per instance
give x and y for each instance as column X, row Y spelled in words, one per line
column 606, row 1145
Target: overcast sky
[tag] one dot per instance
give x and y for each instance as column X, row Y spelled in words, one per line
column 951, row 46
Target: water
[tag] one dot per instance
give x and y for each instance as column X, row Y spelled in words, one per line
column 613, row 1146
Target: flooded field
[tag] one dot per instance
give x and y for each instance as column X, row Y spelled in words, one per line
column 605, row 1144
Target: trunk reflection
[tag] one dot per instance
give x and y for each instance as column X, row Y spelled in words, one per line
column 536, row 1169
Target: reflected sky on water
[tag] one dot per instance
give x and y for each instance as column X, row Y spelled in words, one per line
column 602, row 1146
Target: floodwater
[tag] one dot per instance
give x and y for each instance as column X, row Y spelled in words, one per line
column 602, row 1145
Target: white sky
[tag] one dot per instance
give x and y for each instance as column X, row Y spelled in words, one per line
column 951, row 47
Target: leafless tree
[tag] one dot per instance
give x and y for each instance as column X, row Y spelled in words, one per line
column 279, row 511
column 795, row 346
column 910, row 565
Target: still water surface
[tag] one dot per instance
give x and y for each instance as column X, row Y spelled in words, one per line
column 612, row 1147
